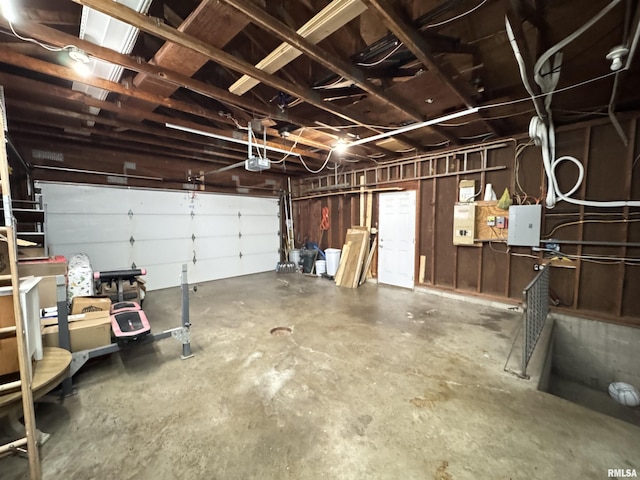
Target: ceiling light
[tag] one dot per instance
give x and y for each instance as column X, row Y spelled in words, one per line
column 8, row 12
column 80, row 61
column 340, row 146
column 616, row 55
column 414, row 126
column 81, row 68
column 78, row 55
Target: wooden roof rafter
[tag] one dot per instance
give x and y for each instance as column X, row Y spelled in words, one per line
column 412, row 39
column 334, row 64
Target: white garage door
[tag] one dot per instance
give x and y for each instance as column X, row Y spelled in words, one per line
column 217, row 236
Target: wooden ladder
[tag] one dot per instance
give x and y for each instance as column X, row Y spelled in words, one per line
column 26, row 373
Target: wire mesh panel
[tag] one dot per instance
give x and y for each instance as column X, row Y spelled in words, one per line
column 535, row 302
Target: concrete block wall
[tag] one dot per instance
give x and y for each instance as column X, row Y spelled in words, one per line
column 596, row 353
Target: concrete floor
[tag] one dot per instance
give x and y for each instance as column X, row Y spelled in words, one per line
column 374, row 383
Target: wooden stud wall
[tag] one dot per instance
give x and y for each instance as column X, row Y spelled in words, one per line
column 605, row 291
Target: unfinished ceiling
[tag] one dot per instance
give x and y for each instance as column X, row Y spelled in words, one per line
column 306, row 74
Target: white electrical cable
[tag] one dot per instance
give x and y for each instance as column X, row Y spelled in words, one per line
column 448, row 20
column 378, row 62
column 321, row 168
column 43, row 45
column 547, row 75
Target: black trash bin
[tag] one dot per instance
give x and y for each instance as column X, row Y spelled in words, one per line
column 306, row 258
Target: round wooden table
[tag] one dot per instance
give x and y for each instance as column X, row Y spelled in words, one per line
column 47, row 375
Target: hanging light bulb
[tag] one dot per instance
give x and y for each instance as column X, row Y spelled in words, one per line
column 80, row 61
column 340, row 146
column 8, row 12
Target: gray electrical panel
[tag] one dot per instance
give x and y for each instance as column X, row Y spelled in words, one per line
column 524, row 225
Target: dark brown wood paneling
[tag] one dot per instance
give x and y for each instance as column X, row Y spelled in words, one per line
column 468, row 260
column 444, row 254
column 598, row 287
column 425, row 233
column 561, row 285
column 630, row 297
column 495, row 264
column 521, row 273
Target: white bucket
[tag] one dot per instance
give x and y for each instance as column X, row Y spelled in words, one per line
column 333, row 261
column 294, row 256
column 321, row 267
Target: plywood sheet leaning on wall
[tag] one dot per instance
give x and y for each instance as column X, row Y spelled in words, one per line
column 350, row 269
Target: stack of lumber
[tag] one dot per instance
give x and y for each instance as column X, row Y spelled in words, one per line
column 355, row 261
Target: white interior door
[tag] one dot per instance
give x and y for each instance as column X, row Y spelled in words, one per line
column 397, row 238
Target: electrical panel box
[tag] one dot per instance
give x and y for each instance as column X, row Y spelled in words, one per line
column 464, row 222
column 524, row 225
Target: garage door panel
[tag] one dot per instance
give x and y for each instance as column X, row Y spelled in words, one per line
column 259, row 263
column 258, row 224
column 251, row 244
column 258, row 206
column 79, row 228
column 146, row 227
column 217, row 248
column 215, row 225
column 96, row 220
column 83, row 199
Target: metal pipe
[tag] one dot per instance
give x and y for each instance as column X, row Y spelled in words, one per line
column 10, row 447
column 184, row 284
column 95, row 172
column 64, row 337
column 593, row 242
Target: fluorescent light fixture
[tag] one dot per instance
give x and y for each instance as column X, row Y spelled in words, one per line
column 229, row 139
column 414, row 126
column 8, row 11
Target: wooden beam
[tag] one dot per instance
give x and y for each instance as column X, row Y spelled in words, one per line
column 410, row 37
column 160, row 132
column 210, row 22
column 68, row 74
column 334, row 64
column 137, row 64
column 155, row 27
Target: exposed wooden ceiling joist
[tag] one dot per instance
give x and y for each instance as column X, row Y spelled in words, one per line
column 210, row 23
column 421, row 49
column 60, row 39
column 334, row 64
column 167, row 33
column 137, row 64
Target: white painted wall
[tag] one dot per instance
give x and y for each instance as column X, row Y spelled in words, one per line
column 100, row 221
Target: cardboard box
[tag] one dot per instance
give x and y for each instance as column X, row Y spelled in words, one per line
column 87, row 331
column 8, row 356
column 90, row 304
column 47, row 292
column 43, row 268
column 8, row 346
column 132, row 292
column 4, row 258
